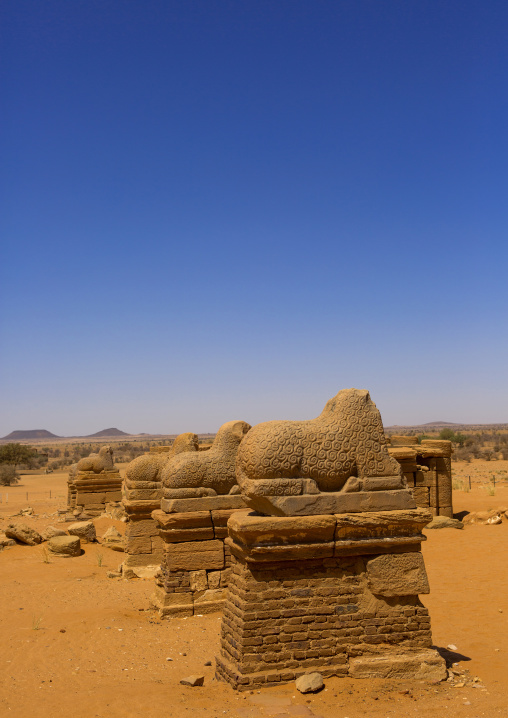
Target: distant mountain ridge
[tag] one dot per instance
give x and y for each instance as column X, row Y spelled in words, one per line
column 30, row 434
column 38, row 434
column 107, row 432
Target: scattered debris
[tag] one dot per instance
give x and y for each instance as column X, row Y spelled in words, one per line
column 193, row 681
column 23, row 533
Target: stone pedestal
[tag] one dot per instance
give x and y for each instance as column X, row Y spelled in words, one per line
column 143, row 545
column 91, row 491
column 194, row 570
column 333, row 593
column 428, row 472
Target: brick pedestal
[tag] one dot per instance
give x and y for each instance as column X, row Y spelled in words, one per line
column 143, row 545
column 91, row 492
column 334, row 593
column 195, row 564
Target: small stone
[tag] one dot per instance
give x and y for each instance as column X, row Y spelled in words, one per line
column 62, row 630
column 169, row 659
column 208, row 663
column 193, row 681
column 310, row 683
column 451, row 647
column 114, row 574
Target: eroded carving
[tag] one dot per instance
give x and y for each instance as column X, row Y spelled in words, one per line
column 206, row 473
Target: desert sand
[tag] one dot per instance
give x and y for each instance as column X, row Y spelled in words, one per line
column 74, row 642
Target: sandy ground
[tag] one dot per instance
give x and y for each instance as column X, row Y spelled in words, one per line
column 73, row 642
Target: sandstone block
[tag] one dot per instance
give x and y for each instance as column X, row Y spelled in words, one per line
column 248, row 529
column 145, row 527
column 64, row 546
column 401, row 574
column 84, row 529
column 138, row 544
column 113, row 539
column 205, row 503
column 187, row 520
column 424, row 665
column 195, row 555
column 421, row 496
column 51, row 531
column 198, row 580
column 23, row 533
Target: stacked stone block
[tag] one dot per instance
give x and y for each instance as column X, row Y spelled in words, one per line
column 428, row 472
column 91, row 492
column 195, row 564
column 337, row 594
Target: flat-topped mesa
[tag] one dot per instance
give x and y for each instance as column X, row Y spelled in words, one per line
column 94, row 482
column 208, row 473
column 336, row 462
column 142, row 493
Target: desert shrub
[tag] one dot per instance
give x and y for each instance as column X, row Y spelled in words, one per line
column 8, row 475
column 16, row 454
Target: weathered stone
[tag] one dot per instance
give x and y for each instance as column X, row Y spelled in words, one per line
column 103, row 461
column 65, row 546
column 213, row 469
column 250, row 529
column 334, row 452
column 193, row 681
column 195, row 555
column 113, row 539
column 51, row 531
column 23, row 533
column 198, row 580
column 426, row 665
column 185, row 520
column 85, row 530
column 310, row 683
column 443, row 522
column 206, row 503
column 332, row 502
column 400, row 574
column 6, row 541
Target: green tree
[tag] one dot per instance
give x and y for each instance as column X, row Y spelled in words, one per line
column 16, row 454
column 8, row 475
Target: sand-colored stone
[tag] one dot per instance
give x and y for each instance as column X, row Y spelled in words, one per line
column 398, row 574
column 23, row 533
column 333, row 453
column 195, row 555
column 421, row 665
column 213, row 469
column 64, row 546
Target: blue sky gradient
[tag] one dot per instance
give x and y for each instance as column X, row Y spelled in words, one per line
column 216, row 210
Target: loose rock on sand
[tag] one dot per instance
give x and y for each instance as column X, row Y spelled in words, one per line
column 85, row 530
column 23, row 533
column 310, row 683
column 65, row 546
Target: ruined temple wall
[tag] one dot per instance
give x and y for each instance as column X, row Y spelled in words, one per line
column 428, row 471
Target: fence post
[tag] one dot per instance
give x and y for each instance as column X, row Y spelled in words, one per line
column 27, row 495
column 50, row 493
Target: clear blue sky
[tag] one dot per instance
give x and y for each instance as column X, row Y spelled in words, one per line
column 217, row 210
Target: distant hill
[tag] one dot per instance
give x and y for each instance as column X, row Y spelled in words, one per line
column 30, row 434
column 107, row 432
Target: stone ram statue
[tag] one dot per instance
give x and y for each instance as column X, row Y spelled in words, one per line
column 342, row 450
column 206, row 473
column 103, row 461
column 149, row 466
